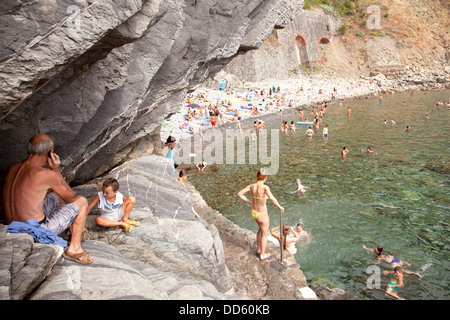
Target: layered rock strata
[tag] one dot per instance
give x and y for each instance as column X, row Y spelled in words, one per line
column 99, row 77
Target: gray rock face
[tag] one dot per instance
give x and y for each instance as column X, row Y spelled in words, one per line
column 99, row 77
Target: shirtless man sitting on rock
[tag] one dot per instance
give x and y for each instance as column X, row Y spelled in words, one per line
column 32, row 191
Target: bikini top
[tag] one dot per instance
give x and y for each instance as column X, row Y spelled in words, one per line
column 265, row 198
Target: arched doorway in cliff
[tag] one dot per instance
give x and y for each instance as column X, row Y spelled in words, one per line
column 300, row 44
column 323, row 41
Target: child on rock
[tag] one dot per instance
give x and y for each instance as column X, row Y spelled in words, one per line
column 114, row 207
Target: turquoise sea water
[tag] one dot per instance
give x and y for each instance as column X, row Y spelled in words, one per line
column 398, row 198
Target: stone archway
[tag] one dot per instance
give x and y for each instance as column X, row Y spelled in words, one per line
column 300, row 43
column 323, row 40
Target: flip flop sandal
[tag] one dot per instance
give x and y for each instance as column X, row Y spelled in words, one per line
column 82, row 258
column 134, row 223
column 128, row 228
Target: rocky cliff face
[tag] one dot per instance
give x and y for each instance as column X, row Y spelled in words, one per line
column 100, row 76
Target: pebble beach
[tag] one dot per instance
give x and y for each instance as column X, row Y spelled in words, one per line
column 267, row 97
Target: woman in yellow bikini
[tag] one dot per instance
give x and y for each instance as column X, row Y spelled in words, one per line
column 260, row 193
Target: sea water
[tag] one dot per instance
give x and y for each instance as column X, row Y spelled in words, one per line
column 397, row 197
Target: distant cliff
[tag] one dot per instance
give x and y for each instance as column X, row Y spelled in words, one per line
column 406, row 41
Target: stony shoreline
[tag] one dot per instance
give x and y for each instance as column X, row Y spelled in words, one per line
column 306, row 93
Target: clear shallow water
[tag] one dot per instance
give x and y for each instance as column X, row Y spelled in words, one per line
column 390, row 198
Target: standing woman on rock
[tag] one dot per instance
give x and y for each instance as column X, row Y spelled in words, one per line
column 260, row 193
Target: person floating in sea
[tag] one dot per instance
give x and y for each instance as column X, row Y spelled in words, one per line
column 395, row 284
column 260, row 193
column 344, row 152
column 370, row 151
column 183, row 175
column 392, row 261
column 287, row 241
column 114, row 207
column 300, row 187
column 303, row 235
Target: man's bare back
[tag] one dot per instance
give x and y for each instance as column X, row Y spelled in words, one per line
column 24, row 191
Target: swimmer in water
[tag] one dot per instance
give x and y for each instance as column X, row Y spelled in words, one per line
column 303, row 235
column 396, row 284
column 370, row 151
column 300, row 187
column 393, row 261
column 292, row 127
column 344, row 152
column 287, row 241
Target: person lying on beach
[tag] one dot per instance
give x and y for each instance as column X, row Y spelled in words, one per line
column 114, row 208
column 287, row 241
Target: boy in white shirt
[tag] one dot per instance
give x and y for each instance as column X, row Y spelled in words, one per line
column 114, row 207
